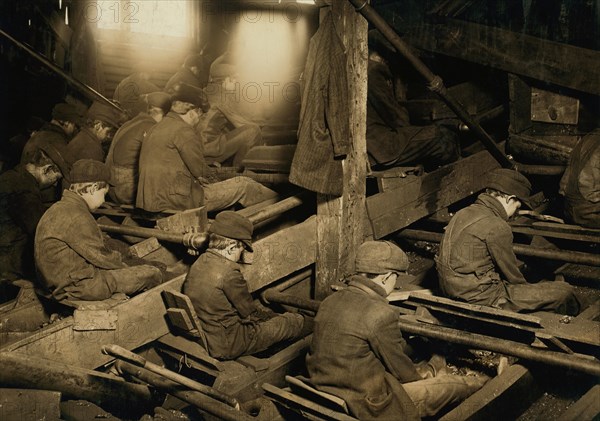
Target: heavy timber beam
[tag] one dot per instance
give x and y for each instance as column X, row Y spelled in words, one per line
column 341, row 220
column 396, row 209
column 29, row 372
column 548, row 61
column 520, row 249
column 436, row 84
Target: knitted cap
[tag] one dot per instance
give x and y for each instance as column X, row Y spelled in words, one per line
column 231, row 225
column 510, row 182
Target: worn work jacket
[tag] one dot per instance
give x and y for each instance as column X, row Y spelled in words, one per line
column 476, row 256
column 323, row 133
column 171, row 160
column 580, row 184
column 124, row 155
column 357, row 353
column 49, row 134
column 69, row 246
column 221, row 298
column 21, row 208
column 85, row 145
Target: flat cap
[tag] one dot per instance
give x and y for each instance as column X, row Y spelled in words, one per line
column 105, row 113
column 509, row 182
column 231, row 225
column 192, row 95
column 57, row 154
column 89, row 171
column 66, row 112
column 159, row 99
column 379, row 257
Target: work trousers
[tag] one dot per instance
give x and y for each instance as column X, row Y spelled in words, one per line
column 251, row 337
column 242, row 190
column 433, row 394
column 430, row 146
column 557, row 296
column 105, row 283
column 235, row 143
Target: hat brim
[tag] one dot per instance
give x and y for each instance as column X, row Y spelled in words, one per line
column 248, row 244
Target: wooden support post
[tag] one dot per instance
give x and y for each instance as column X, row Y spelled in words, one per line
column 340, row 221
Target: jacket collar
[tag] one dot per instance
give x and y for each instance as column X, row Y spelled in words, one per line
column 366, row 285
column 491, row 203
column 51, row 127
column 86, row 131
column 73, row 198
column 214, row 256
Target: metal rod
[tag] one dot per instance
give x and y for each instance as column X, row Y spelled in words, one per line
column 276, row 209
column 466, row 338
column 85, row 89
column 193, row 240
column 436, row 84
column 541, row 169
column 122, row 353
column 502, row 346
column 198, row 399
column 520, row 249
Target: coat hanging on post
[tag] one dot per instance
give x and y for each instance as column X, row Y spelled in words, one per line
column 323, row 134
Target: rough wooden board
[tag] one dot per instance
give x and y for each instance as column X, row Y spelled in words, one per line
column 139, row 320
column 270, row 158
column 29, row 404
column 282, row 253
column 309, row 409
column 557, row 63
column 393, row 210
column 503, row 397
column 84, row 411
column 577, row 330
column 585, row 409
column 520, row 104
column 549, row 107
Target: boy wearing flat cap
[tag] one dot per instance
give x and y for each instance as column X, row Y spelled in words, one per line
column 233, row 322
column 103, row 121
column 71, row 258
column 22, row 206
column 174, row 174
column 192, row 72
column 360, row 356
column 476, row 262
column 124, row 152
column 58, row 132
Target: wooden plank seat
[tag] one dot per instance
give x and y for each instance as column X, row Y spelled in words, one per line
column 182, row 316
column 301, row 397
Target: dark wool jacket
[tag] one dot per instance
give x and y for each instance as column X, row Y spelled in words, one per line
column 124, row 155
column 69, row 246
column 476, row 255
column 580, row 184
column 171, row 160
column 49, row 134
column 221, row 298
column 85, row 145
column 357, row 353
column 323, row 134
column 21, row 208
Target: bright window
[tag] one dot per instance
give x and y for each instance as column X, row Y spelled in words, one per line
column 157, row 17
